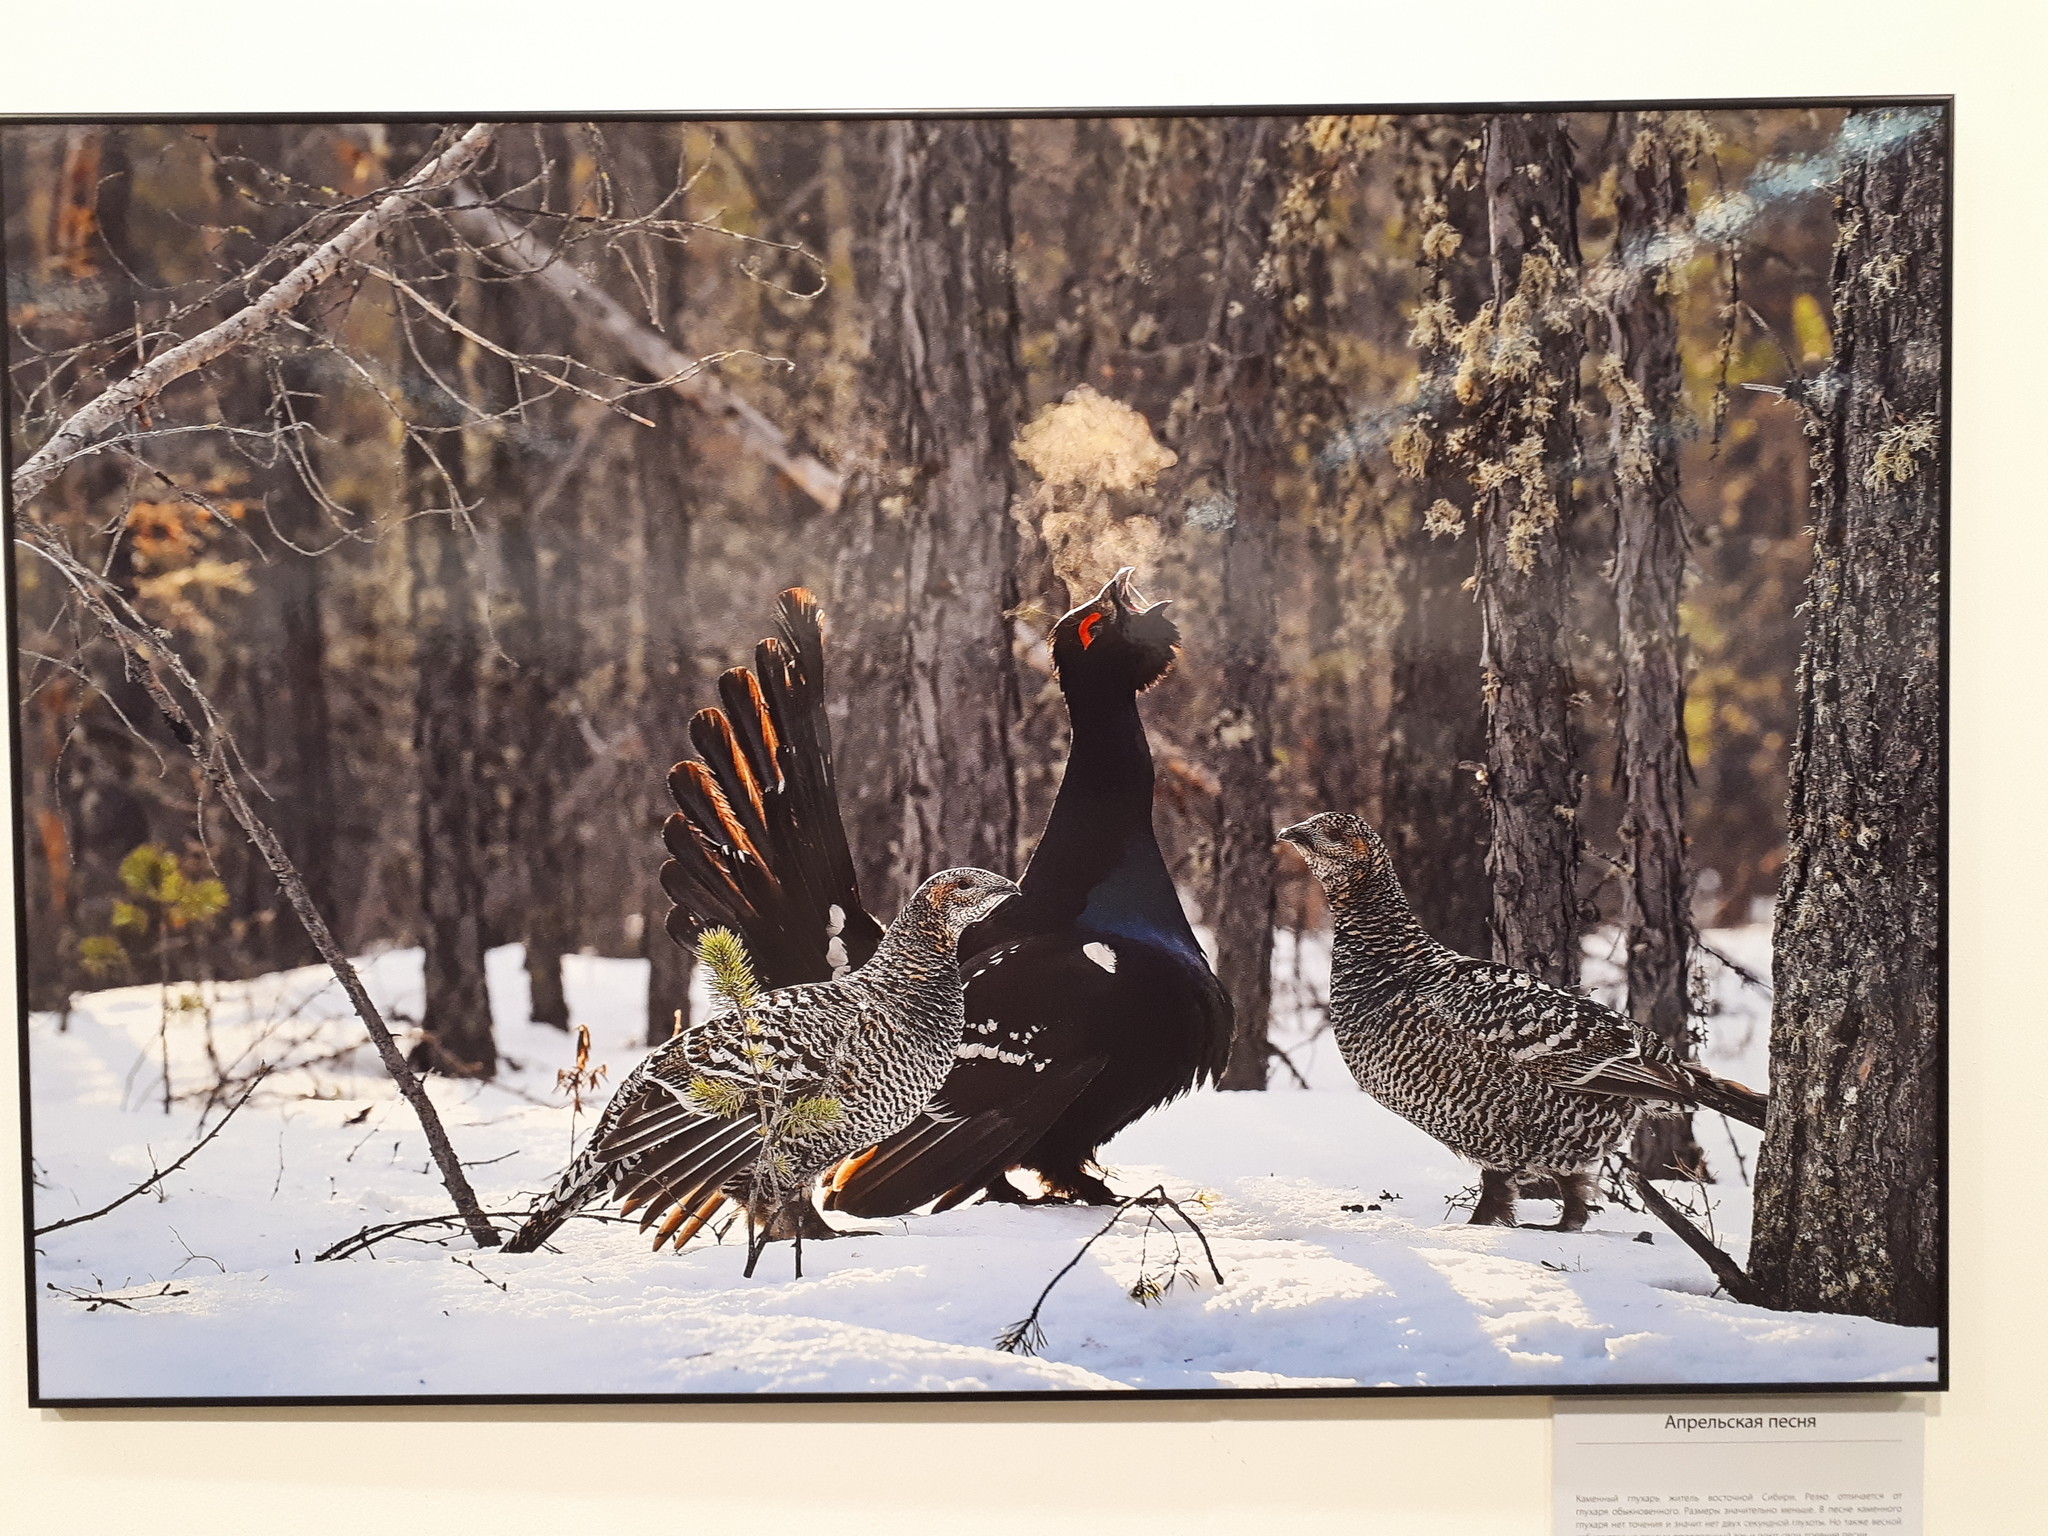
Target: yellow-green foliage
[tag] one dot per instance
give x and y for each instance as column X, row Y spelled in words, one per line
column 722, row 1101
column 723, row 954
column 152, row 873
column 810, row 1116
column 102, row 954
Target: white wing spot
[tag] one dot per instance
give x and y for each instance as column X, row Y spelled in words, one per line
column 835, row 919
column 1101, row 954
column 835, row 953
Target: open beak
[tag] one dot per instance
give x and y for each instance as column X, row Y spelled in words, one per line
column 1120, row 589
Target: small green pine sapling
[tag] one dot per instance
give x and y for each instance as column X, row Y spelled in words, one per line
column 162, row 902
column 779, row 1118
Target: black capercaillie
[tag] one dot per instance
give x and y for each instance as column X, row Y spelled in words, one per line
column 1089, row 1001
column 1525, row 1079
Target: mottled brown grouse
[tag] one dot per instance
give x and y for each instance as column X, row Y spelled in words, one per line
column 1525, row 1079
column 712, row 1115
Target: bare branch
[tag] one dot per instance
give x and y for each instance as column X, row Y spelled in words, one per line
column 144, row 649
column 519, row 363
column 162, row 1173
column 1737, row 1284
column 649, row 348
column 78, row 436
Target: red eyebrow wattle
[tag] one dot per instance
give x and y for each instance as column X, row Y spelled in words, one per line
column 1087, row 630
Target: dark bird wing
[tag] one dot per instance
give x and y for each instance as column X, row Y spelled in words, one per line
column 951, row 1151
column 655, row 1147
column 1049, row 1031
column 756, row 843
column 1584, row 1046
column 669, row 1160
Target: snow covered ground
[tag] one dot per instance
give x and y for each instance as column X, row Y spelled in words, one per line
column 1344, row 1262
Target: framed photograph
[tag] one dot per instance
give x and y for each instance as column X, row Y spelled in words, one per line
column 1172, row 753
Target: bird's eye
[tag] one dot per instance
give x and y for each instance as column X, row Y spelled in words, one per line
column 1087, row 630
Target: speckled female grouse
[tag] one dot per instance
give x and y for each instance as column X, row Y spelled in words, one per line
column 1523, row 1078
column 1088, row 999
column 753, row 1107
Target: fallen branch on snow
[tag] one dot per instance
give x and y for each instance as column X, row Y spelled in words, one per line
column 1733, row 1280
column 1025, row 1337
column 94, row 1300
column 161, row 1173
column 366, row 1240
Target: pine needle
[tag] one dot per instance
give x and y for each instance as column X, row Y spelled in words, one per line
column 722, row 1101
column 724, row 955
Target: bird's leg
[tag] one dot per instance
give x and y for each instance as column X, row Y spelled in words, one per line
column 1000, row 1191
column 1496, row 1207
column 797, row 1217
column 1075, row 1185
column 1576, row 1190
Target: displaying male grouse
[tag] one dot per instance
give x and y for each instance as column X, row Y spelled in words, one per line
column 1523, row 1078
column 1088, row 999
column 752, row 1106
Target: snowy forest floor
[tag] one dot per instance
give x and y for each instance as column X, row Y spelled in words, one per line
column 1343, row 1256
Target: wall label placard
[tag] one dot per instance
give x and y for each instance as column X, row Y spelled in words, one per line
column 1738, row 1467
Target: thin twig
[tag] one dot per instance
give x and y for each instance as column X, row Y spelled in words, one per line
column 365, row 1239
column 1027, row 1338
column 1741, row 970
column 78, row 436
column 145, row 649
column 162, row 1173
column 647, row 347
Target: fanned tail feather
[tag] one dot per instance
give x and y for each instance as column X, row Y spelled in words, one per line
column 756, row 843
column 585, row 1181
column 1678, row 1083
column 1728, row 1097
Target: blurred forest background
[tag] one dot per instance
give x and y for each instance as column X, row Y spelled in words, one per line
column 459, row 548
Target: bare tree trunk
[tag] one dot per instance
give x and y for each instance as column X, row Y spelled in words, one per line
column 539, row 741
column 1239, row 391
column 1644, row 379
column 943, row 371
column 538, row 540
column 1850, row 1190
column 1433, row 804
column 675, row 690
column 1531, row 449
column 1434, row 810
column 441, row 549
column 301, row 585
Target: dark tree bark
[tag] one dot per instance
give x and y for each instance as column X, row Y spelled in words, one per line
column 933, row 687
column 1436, row 824
column 1433, row 808
column 1850, row 1190
column 441, row 548
column 1239, row 396
column 676, row 689
column 540, row 745
column 445, row 730
column 299, row 583
column 1525, row 478
column 1644, row 379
